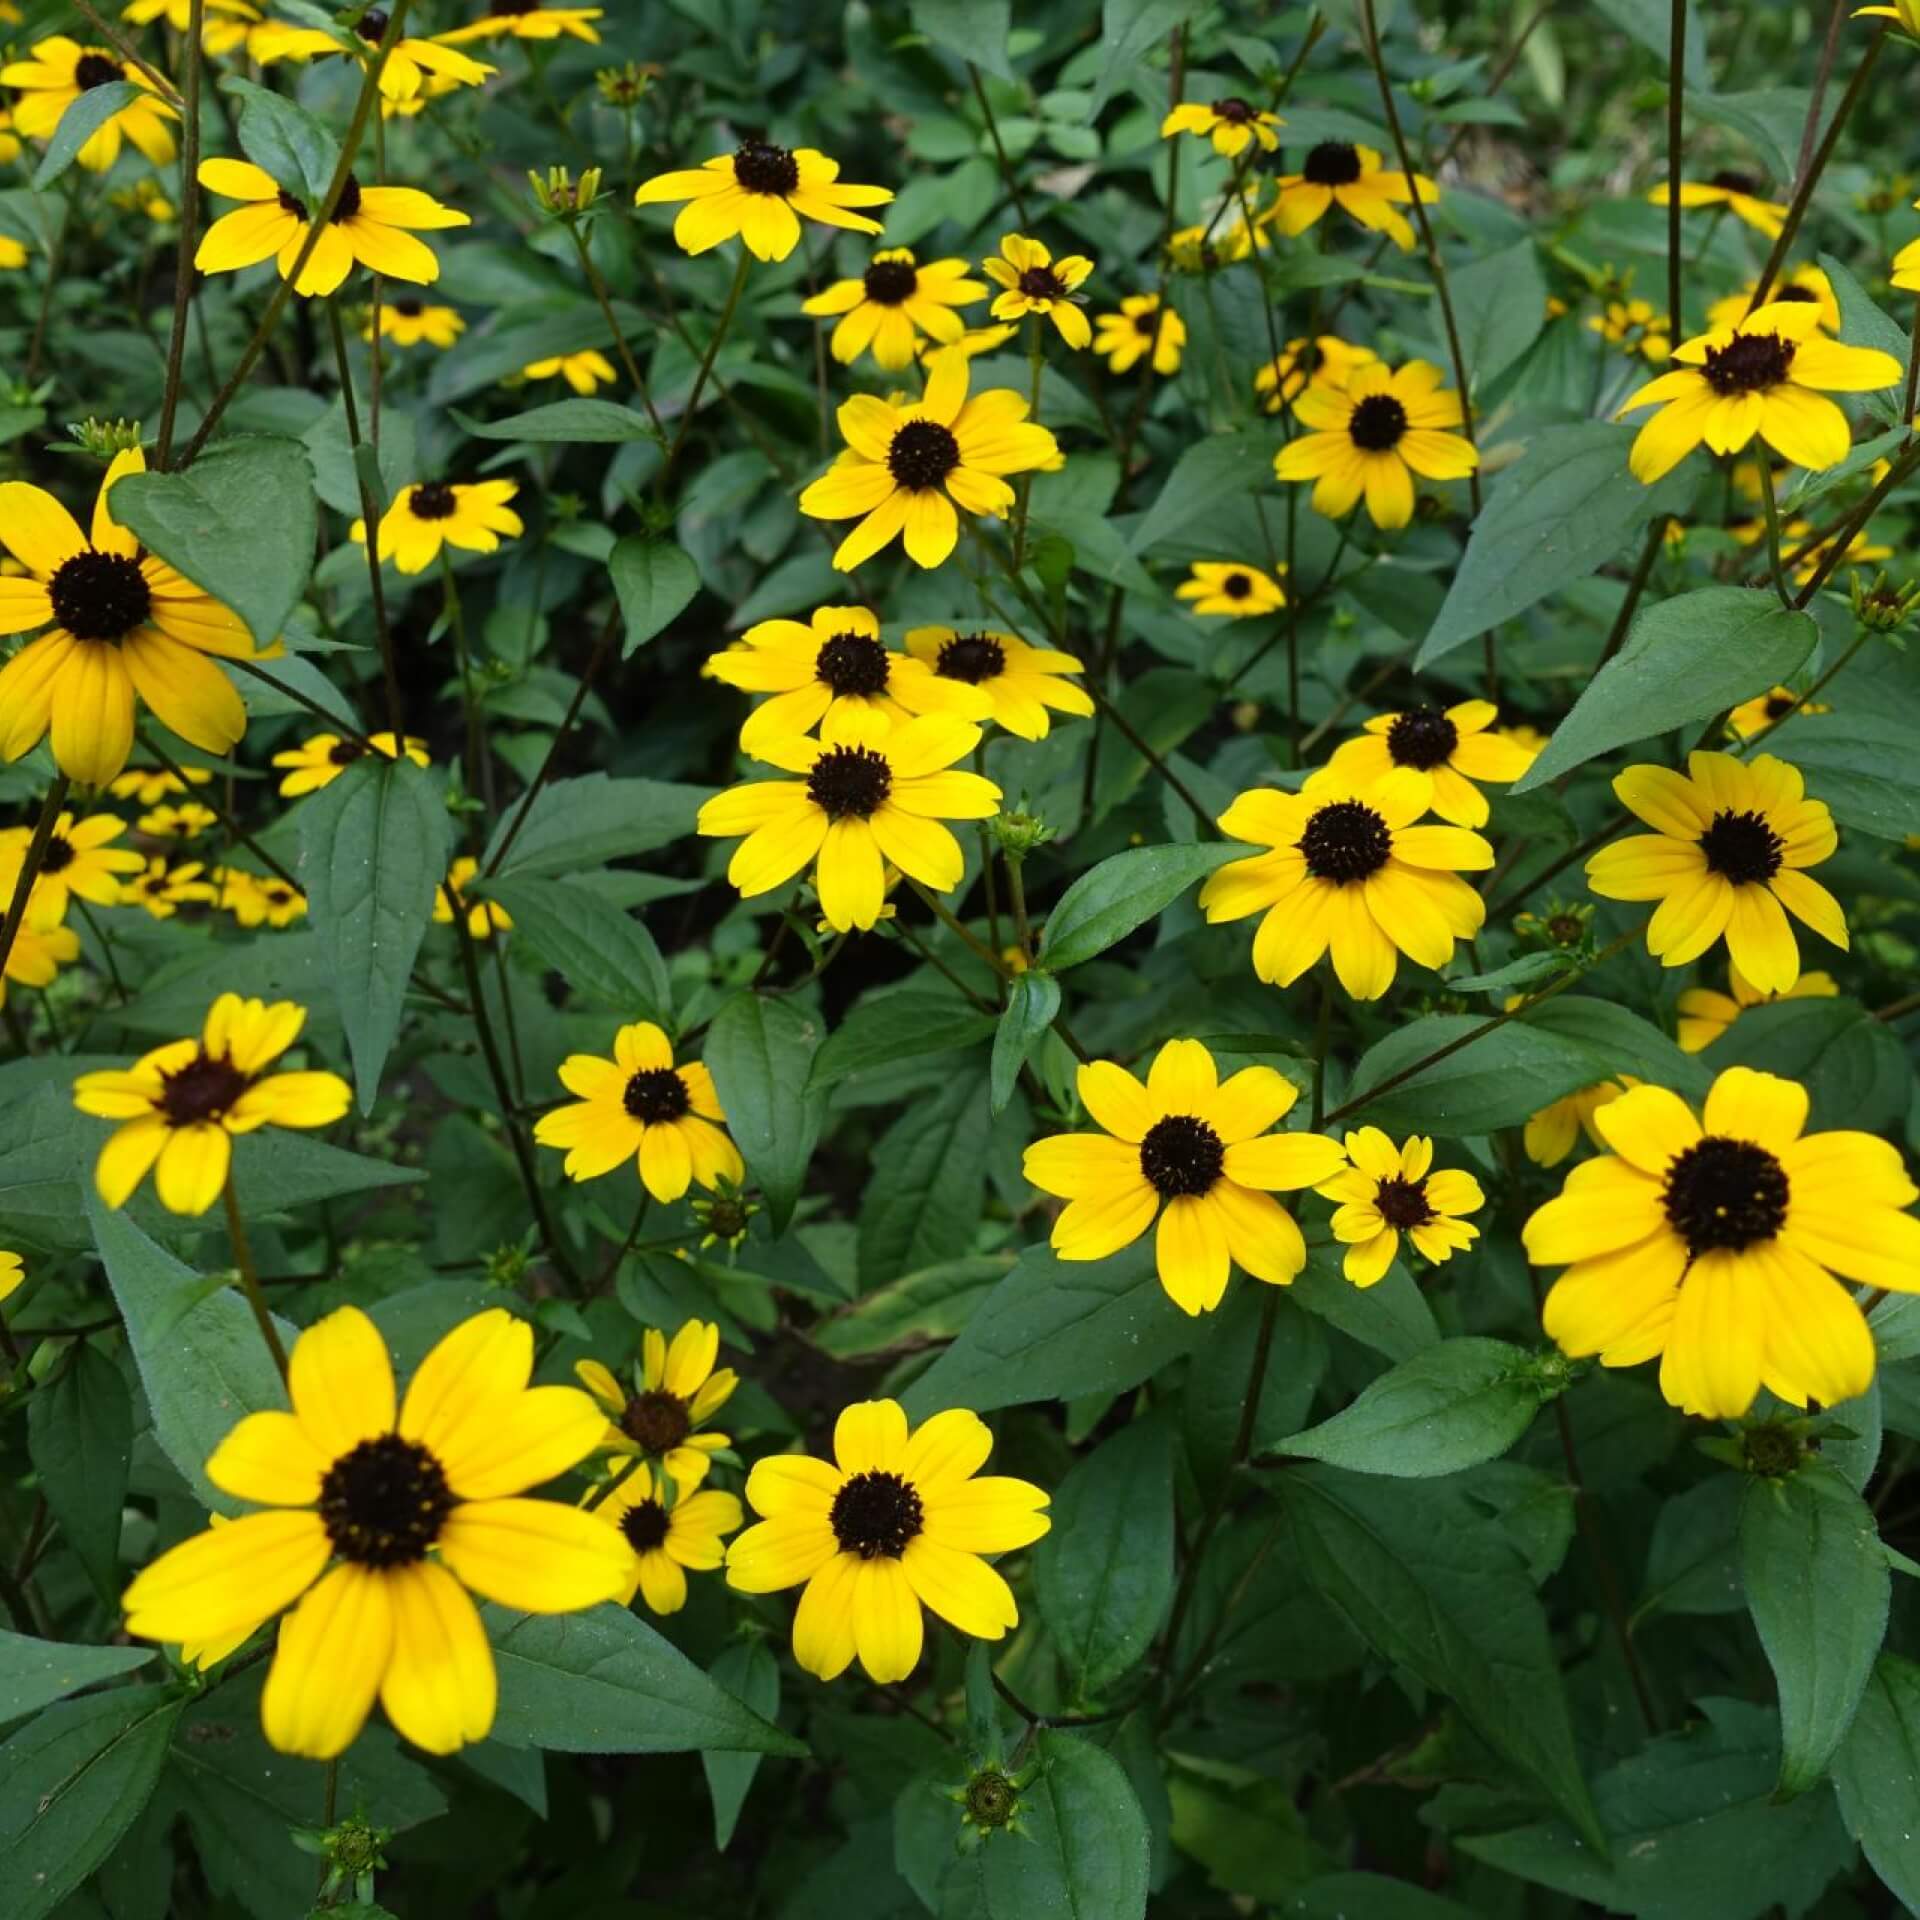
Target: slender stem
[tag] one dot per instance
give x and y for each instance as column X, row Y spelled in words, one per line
column 250, row 1277
column 334, row 723
column 106, row 947
column 1636, row 586
column 1772, row 507
column 478, row 768
column 1000, row 152
column 1899, row 1009
column 706, row 361
column 1676, row 89
column 370, row 521
column 235, row 831
column 188, row 214
column 127, row 51
column 599, row 287
column 1800, row 699
column 1126, row 730
column 1578, row 851
column 1822, row 74
column 1017, row 898
column 1842, row 537
column 1907, row 399
column 30, row 868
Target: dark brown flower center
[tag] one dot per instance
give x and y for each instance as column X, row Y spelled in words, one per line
column 1724, row 1194
column 1236, row 586
column 275, row 894
column 761, row 167
column 655, row 1096
column 1377, row 423
column 645, row 1525
column 1042, row 283
column 1345, row 841
column 1147, row 324
column 1181, row 1155
column 656, row 1421
column 349, row 202
column 1778, row 704
column 433, row 500
column 291, row 203
column 512, row 8
column 59, row 855
column 100, row 596
column 1734, row 182
column 850, row 782
column 971, row 657
column 203, row 1089
column 1403, row 1203
column 852, row 663
column 407, row 307
column 875, row 1515
column 372, row 25
column 1234, row 110
column 1749, row 363
column 923, row 453
column 1743, row 847
column 95, row 69
column 343, row 753
column 1333, row 163
column 1423, row 737
column 888, row 282
column 383, row 1504
column 1794, row 293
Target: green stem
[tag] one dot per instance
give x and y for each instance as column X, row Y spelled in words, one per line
column 250, row 1277
column 30, row 867
column 706, row 361
column 188, row 214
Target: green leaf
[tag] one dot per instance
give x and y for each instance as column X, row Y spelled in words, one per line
column 1558, row 515
column 1123, row 892
column 1346, row 1896
column 373, row 851
column 600, row 951
column 285, row 140
column 1500, row 305
column 1862, row 324
column 605, row 1682
column 1032, row 1001
column 1819, row 1588
column 761, row 1052
column 929, row 1168
column 1129, row 30
column 1852, row 1065
column 748, row 1671
column 1086, row 1850
column 1875, row 1773
column 1103, row 1574
column 1391, row 1316
column 1212, row 472
column 933, row 1304
column 71, row 1783
column 579, row 422
column 1452, row 1406
column 240, row 524
column 84, row 117
column 80, row 1434
column 1685, row 660
column 882, row 1032
column 654, row 581
column 35, row 1673
column 574, row 826
column 974, row 30
column 1213, row 1396
column 1651, row 23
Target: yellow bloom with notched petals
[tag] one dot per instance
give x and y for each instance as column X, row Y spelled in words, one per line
column 57, row 71
column 677, row 1391
column 484, row 918
column 895, row 304
column 1142, row 326
column 435, row 514
column 1739, row 193
column 759, row 192
column 322, row 758
column 1033, row 281
column 1198, row 1154
column 1232, row 124
column 583, row 371
column 898, row 1520
column 412, row 64
column 1230, row 589
column 1714, row 1243
column 1338, row 174
column 1390, row 1190
column 408, row 321
column 1019, row 682
column 379, row 1523
column 1323, row 361
column 668, row 1542
column 1450, row 750
column 1705, row 1015
column 178, row 823
column 163, row 890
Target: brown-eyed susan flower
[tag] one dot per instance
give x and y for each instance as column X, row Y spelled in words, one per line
column 583, row 371
column 1388, row 1191
column 1715, row 1243
column 322, row 758
column 378, row 1524
column 484, row 918
column 225, row 24
column 639, row 1106
column 371, row 226
column 1807, row 283
column 1231, row 589
column 1323, row 361
column 180, row 1105
column 256, row 901
column 898, row 1520
column 760, row 192
column 1705, row 1015
column 40, row 949
column 1372, row 436
column 12, row 1274
column 519, row 20
column 1637, row 329
column 1728, row 856
column 1020, row 681
column 868, row 794
column 1207, row 248
column 412, row 64
column 1766, row 710
column 668, row 1541
column 1739, row 193
column 1768, row 375
column 435, row 513
column 146, row 785
column 122, row 625
column 164, row 889
column 676, row 1391
column 1033, row 281
column 1338, row 174
column 80, row 863
column 835, row 662
column 57, row 71
column 1232, row 124
column 1450, row 748
column 909, row 466
column 1347, row 869
column 408, row 321
column 895, row 304
column 1554, row 1132
column 1197, row 1153
column 185, row 822
column 1142, row 326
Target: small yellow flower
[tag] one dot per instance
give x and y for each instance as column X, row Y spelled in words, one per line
column 484, row 918
column 1229, row 588
column 1808, row 284
column 1033, row 281
column 1141, row 326
column 412, row 64
column 1231, row 123
column 759, row 193
column 435, row 514
column 40, row 949
column 1020, row 682
column 255, row 901
column 1705, row 1015
column 1450, row 750
column 178, row 823
column 164, row 890
column 1764, row 710
column 12, row 1274
column 1324, row 361
column 55, row 74
column 408, row 321
column 668, row 1541
column 80, row 863
column 146, row 785
column 1555, row 1130
column 322, row 758
column 895, row 304
column 144, row 196
column 1637, row 329
column 677, row 1389
column 1198, row 250
column 583, row 371
column 1338, row 174
column 224, row 25
column 1390, row 1190
column 522, row 22
column 1739, row 193
column 9, row 140
column 13, row 255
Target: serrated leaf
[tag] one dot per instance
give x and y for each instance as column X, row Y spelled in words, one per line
column 1086, row 1850
column 883, row 1032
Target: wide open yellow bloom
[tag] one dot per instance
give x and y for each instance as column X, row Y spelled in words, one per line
column 1141, row 326
column 80, row 863
column 1231, row 590
column 1807, row 284
column 57, row 71
column 255, row 901
column 898, row 1520
column 40, row 949
column 667, row 1541
column 322, row 758
column 378, row 1525
column 179, row 823
column 1020, row 682
column 164, row 890
column 1450, row 750
column 1231, row 123
column 894, row 305
column 145, row 785
column 1705, row 1015
column 1033, row 281
column 759, row 192
column 1714, row 1243
column 1338, row 174
column 1390, row 1190
column 434, row 514
column 676, row 1391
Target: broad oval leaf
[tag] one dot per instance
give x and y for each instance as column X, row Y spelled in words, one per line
column 89, row 111
column 761, row 1052
column 1124, row 892
column 600, row 951
column 1874, row 1774
column 654, row 581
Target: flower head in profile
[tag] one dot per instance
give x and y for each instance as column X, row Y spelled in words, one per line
column 1206, row 248
column 640, row 1107
column 1738, row 192
column 899, row 1519
column 1715, row 1242
column 760, row 192
column 1144, row 325
column 379, row 1523
column 225, row 24
column 1195, row 1153
column 1555, row 1130
column 896, row 304
column 180, row 1105
column 1449, row 748
column 484, row 918
column 1031, row 280
column 910, row 465
column 1804, row 283
column 163, row 889
column 407, row 321
column 1323, row 361
column 1372, row 436
column 527, row 20
column 670, row 1537
column 866, row 794
column 835, row 663
column 676, row 1391
column 583, row 371
column 320, row 759
column 1766, row 710
column 434, row 514
column 122, row 626
column 1232, row 124
column 259, row 900
column 1705, row 1014
column 146, row 785
column 80, row 863
column 185, row 822
column 1230, row 589
column 1769, row 374
column 1347, row 869
column 1020, row 682
column 1338, row 174
column 1388, row 1191
column 1728, row 856
column 58, row 70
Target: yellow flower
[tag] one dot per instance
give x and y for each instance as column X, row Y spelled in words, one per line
column 908, row 466
column 1346, row 868
column 1449, row 750
column 1861, row 550
column 1739, row 193
column 522, row 22
column 1123, row 339
column 12, row 254
column 322, row 758
column 1336, row 173
column 371, row 226
column 1033, row 281
column 1231, row 123
column 58, row 71
column 412, row 64
column 581, row 371
column 1765, row 709
column 180, row 1105
column 1706, row 1015
column 835, row 665
column 1634, row 326
column 1530, row 740
column 1323, row 361
column 678, row 1388
column 1390, row 1190
column 1198, row 1154
column 121, row 626
column 145, row 785
column 667, row 1541
column 144, row 196
column 257, row 902
column 407, row 321
column 433, row 514
column 12, row 1275
column 1198, row 250
column 9, row 140
column 178, row 823
column 484, row 917
column 1020, row 682
column 163, row 890
column 1229, row 588
column 894, row 304
column 901, row 1520
column 224, row 25
column 412, row 1511
column 868, row 794
column 1806, row 284
column 1715, row 1243
column 1731, row 844
column 1555, row 1130
column 1767, row 375
column 759, row 193
column 79, row 863
column 40, row 949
